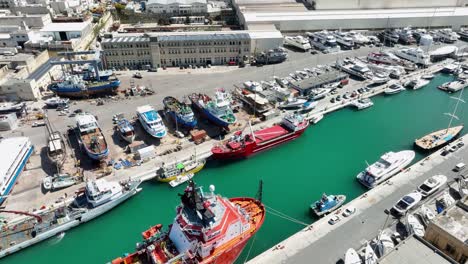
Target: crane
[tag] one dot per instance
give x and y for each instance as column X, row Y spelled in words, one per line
column 38, row 218
column 69, row 61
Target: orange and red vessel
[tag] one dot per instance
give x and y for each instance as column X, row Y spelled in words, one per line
column 208, row 228
column 243, row 145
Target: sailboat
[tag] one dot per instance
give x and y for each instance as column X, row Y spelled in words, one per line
column 442, row 137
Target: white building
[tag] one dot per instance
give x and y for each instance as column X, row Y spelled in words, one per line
column 289, row 15
column 66, row 31
column 177, row 7
column 186, row 48
column 32, row 21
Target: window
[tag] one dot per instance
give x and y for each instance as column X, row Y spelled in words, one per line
column 450, row 249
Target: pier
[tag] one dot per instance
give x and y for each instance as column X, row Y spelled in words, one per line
column 325, row 243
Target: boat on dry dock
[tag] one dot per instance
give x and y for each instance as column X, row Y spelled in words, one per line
column 14, row 154
column 217, row 110
column 243, row 145
column 91, row 137
column 97, row 198
column 180, row 112
column 207, row 228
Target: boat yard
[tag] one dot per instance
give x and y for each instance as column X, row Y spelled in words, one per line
column 170, row 149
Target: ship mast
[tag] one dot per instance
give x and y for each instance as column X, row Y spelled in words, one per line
column 452, row 115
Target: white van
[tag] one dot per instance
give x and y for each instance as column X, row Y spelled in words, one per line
column 460, row 166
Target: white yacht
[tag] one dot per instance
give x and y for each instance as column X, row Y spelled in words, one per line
column 358, row 38
column 298, row 42
column 463, row 34
column 345, row 41
column 355, row 68
column 361, row 104
column 394, row 89
column 388, row 165
column 415, row 226
column 14, row 154
column 416, row 83
column 383, row 57
column 151, row 121
column 324, row 41
column 447, row 35
column 292, row 102
column 389, row 36
column 415, row 55
column 394, row 71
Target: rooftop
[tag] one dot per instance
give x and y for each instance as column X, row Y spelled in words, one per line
column 455, row 220
column 181, row 2
column 43, row 69
column 413, row 251
column 354, row 14
column 66, row 27
column 11, row 147
column 16, row 57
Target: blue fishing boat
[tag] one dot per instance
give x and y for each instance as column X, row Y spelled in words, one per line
column 103, row 75
column 218, row 111
column 181, row 113
column 327, row 204
column 151, row 121
column 74, row 86
column 90, row 137
column 126, row 130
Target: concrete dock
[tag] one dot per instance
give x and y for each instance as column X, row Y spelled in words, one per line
column 325, row 243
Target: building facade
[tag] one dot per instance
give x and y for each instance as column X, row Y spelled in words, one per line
column 449, row 231
column 174, row 49
column 177, row 7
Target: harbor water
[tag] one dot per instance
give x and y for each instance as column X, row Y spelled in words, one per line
column 325, row 159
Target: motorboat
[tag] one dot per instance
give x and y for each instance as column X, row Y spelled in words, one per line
column 358, row 38
column 453, row 86
column 384, row 243
column 345, row 41
column 388, row 165
column 389, row 36
column 380, row 78
column 292, row 102
column 363, row 103
column 327, row 204
column 414, row 55
column 463, row 34
column 319, row 93
column 352, row 257
column 181, row 179
column 450, row 68
column 56, row 101
column 415, row 226
column 443, row 53
column 383, row 57
column 427, row 213
column 316, row 118
column 394, row 89
column 324, row 41
column 13, row 107
column 171, row 172
column 369, row 255
column 432, row 184
column 406, row 36
column 101, row 191
column 416, row 83
column 298, row 42
column 308, row 106
column 407, row 202
column 91, row 137
column 428, row 76
column 151, row 121
column 58, row 181
column 447, row 35
column 355, row 68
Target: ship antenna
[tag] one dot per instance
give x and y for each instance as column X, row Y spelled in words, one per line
column 452, row 115
column 260, row 191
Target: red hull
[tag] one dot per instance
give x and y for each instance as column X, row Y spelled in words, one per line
column 253, row 147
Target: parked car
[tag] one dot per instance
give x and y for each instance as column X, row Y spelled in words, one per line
column 407, row 202
column 137, row 75
column 334, row 219
column 38, row 124
column 349, row 211
column 431, row 185
column 460, row 144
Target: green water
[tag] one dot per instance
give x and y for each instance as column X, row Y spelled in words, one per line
column 325, row 159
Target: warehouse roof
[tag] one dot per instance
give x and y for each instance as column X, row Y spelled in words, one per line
column 355, row 14
column 413, row 251
column 66, row 27
column 180, row 2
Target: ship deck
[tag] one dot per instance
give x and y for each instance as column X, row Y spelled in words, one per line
column 270, row 133
column 88, row 139
column 438, row 138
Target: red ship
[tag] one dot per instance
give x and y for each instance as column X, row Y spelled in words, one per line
column 208, row 228
column 243, row 145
